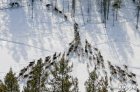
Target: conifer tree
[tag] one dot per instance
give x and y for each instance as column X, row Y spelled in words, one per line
column 90, row 83
column 75, row 84
column 61, row 80
column 2, row 87
column 11, row 82
column 37, row 78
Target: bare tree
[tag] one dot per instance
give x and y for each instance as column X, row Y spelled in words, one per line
column 138, row 11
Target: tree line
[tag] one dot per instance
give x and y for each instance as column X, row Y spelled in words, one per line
column 41, row 76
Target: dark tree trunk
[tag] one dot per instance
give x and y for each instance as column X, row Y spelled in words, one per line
column 113, row 17
column 108, row 7
column 82, row 11
column 138, row 11
column 105, row 9
column 73, row 8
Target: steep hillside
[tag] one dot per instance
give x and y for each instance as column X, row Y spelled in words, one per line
column 35, row 30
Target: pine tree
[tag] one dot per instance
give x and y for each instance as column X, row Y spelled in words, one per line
column 11, row 82
column 2, row 87
column 61, row 80
column 75, row 84
column 90, row 83
column 37, row 78
column 97, row 82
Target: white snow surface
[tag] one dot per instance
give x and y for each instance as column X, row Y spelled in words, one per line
column 24, row 39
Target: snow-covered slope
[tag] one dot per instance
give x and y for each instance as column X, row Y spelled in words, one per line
column 25, row 37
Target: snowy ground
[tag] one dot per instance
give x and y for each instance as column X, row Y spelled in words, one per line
column 23, row 38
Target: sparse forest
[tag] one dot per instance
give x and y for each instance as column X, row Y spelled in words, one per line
column 74, row 8
column 54, row 72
